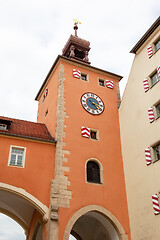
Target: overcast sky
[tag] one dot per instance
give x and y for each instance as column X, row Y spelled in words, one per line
column 33, row 33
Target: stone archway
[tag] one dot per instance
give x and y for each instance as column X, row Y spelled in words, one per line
column 94, row 223
column 20, row 205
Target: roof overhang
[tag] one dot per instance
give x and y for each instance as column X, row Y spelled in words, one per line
column 146, row 36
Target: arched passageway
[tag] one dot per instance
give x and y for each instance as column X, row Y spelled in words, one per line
column 23, row 208
column 94, row 222
column 94, row 226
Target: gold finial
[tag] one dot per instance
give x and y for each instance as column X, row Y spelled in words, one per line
column 75, row 26
column 76, row 22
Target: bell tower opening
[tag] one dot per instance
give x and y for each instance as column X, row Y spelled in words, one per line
column 77, row 48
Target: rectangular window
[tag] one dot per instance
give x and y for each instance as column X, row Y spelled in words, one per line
column 154, row 78
column 157, row 45
column 158, row 110
column 156, row 151
column 84, row 76
column 93, row 134
column 17, row 156
column 101, row 82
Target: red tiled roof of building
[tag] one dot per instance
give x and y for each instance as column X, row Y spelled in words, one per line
column 21, row 128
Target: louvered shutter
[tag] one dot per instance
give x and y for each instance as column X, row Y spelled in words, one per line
column 85, row 132
column 109, row 84
column 158, row 71
column 151, row 114
column 148, row 156
column 76, row 73
column 150, row 51
column 145, row 84
column 155, row 204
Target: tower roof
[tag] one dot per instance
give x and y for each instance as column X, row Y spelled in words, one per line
column 77, row 48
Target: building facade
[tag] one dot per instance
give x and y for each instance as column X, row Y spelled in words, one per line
column 73, row 182
column 140, row 136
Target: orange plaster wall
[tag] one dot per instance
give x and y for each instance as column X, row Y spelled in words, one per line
column 49, row 103
column 37, row 218
column 38, row 172
column 111, row 195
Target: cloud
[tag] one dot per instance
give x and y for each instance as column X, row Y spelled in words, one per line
column 10, row 230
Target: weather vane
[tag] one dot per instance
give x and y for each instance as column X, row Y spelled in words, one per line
column 75, row 26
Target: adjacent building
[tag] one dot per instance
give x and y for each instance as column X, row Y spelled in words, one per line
column 140, row 136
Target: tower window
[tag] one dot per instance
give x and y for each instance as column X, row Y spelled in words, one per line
column 101, row 82
column 46, row 112
column 93, row 134
column 84, row 76
column 93, row 172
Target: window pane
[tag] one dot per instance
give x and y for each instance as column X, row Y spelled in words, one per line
column 101, row 82
column 93, row 172
column 13, row 159
column 157, row 152
column 158, row 110
column 157, row 45
column 154, row 78
column 19, row 160
column 93, row 135
column 83, row 77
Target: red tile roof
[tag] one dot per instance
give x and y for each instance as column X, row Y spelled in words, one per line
column 21, row 128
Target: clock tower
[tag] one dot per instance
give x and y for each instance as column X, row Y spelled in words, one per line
column 79, row 105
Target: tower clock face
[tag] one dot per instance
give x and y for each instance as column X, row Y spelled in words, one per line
column 92, row 103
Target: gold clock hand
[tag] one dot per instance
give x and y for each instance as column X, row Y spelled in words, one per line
column 96, row 105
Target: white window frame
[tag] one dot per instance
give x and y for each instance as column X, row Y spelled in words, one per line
column 24, row 156
column 150, row 79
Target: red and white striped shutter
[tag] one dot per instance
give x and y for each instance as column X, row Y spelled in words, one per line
column 158, row 71
column 76, row 73
column 155, row 204
column 150, row 51
column 148, row 156
column 85, row 132
column 145, row 84
column 151, row 114
column 109, row 84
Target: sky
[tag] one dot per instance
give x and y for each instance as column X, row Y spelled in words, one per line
column 34, row 32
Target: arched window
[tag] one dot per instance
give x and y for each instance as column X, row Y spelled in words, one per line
column 93, row 172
